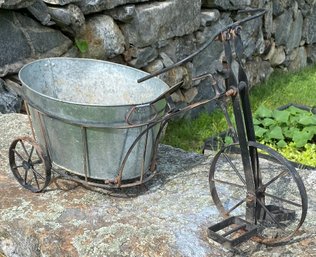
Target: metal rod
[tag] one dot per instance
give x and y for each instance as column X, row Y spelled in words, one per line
column 236, row 205
column 44, row 134
column 284, row 200
column 234, row 168
column 242, row 226
column 29, row 117
column 144, row 156
column 85, row 153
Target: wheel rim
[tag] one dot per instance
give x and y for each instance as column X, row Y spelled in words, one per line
column 281, row 198
column 29, row 165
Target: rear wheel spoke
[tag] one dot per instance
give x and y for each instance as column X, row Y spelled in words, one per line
column 235, row 169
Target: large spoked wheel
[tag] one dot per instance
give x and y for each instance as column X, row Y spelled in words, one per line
column 29, row 165
column 281, row 200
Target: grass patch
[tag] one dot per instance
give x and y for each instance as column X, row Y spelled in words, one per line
column 280, row 89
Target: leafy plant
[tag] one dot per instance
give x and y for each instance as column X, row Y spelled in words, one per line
column 291, row 131
column 282, row 127
column 82, row 45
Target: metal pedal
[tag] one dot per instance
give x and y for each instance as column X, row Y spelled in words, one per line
column 239, row 231
column 279, row 213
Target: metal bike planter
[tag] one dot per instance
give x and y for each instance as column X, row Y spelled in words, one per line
column 113, row 144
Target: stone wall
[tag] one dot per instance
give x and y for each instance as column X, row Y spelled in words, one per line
column 150, row 35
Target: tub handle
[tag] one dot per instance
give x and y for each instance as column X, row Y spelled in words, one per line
column 165, row 95
column 142, row 108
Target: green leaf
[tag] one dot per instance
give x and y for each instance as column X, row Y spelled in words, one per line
column 267, row 122
column 263, row 112
column 289, row 131
column 228, row 140
column 259, row 131
column 310, row 129
column 82, row 45
column 307, row 120
column 300, row 138
column 281, row 116
column 281, row 143
column 256, row 121
column 276, row 133
column 294, row 110
column 293, row 120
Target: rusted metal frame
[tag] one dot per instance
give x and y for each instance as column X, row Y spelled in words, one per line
column 150, row 126
column 85, row 153
column 153, row 159
column 43, row 130
column 163, row 120
column 231, row 82
column 29, row 118
column 118, row 180
column 144, row 155
column 244, row 94
column 248, row 118
column 137, row 107
column 104, row 186
column 231, row 128
column 246, row 161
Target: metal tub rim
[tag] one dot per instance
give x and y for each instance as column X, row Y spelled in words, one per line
column 20, row 75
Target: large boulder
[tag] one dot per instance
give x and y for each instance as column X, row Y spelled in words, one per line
column 309, row 31
column 15, row 4
column 9, row 100
column 103, row 37
column 167, row 217
column 88, row 6
column 23, row 40
column 61, row 2
column 226, row 4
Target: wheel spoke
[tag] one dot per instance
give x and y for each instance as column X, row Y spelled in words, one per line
column 236, row 205
column 234, row 168
column 37, row 173
column 270, row 214
column 228, row 183
column 24, row 149
column 284, row 200
column 25, row 176
column 273, row 180
column 17, row 166
column 35, row 177
column 31, row 153
column 19, row 155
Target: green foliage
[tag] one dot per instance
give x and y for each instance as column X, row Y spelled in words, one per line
column 280, row 89
column 283, row 127
column 82, row 45
column 306, row 156
column 190, row 135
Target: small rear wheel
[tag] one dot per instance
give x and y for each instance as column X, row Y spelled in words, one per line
column 281, row 199
column 29, row 165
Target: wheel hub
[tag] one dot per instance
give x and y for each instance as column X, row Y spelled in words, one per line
column 27, row 165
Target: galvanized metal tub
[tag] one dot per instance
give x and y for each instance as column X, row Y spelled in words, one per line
column 88, row 113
